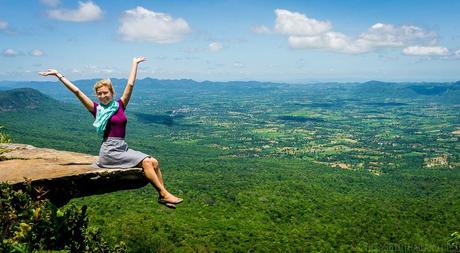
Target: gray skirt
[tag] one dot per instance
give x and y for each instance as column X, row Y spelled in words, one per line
column 114, row 153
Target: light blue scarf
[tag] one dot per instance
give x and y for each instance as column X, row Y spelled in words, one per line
column 103, row 114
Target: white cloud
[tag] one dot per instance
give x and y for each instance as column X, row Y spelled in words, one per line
column 377, row 36
column 261, row 29
column 86, row 12
column 426, row 51
column 141, row 24
column 107, row 71
column 387, row 35
column 97, row 70
column 50, row 3
column 10, row 52
column 308, row 33
column 215, row 46
column 294, row 23
column 334, row 41
column 37, row 52
column 3, row 25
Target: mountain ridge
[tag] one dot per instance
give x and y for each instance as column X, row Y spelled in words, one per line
column 245, row 82
column 25, row 99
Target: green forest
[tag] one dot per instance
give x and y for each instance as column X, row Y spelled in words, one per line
column 268, row 167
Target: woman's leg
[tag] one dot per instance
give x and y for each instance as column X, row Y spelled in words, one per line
column 156, row 167
column 157, row 181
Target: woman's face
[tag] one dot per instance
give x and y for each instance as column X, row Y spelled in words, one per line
column 104, row 95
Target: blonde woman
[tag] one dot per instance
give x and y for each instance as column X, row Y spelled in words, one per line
column 110, row 123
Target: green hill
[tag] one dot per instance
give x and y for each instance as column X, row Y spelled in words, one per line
column 32, row 117
column 26, row 99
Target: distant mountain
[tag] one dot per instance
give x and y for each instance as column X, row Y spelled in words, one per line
column 429, row 89
column 375, row 82
column 153, row 89
column 26, row 99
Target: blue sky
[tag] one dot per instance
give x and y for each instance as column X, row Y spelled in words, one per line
column 280, row 41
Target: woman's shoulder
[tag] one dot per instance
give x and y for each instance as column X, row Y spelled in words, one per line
column 95, row 105
column 120, row 103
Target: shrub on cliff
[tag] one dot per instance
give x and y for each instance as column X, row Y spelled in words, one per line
column 4, row 138
column 28, row 224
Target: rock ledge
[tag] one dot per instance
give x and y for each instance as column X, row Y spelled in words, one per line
column 62, row 175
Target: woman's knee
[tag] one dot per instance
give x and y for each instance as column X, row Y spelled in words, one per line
column 150, row 161
column 146, row 162
column 155, row 163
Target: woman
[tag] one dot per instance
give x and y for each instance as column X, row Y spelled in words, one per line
column 110, row 123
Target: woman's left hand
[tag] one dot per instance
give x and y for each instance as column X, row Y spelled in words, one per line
column 139, row 59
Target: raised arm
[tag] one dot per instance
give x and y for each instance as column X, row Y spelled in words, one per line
column 74, row 89
column 131, row 79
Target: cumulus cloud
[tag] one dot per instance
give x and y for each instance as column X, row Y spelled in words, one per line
column 426, row 51
column 86, row 12
column 307, row 33
column 377, row 36
column 215, row 46
column 387, row 35
column 260, row 29
column 50, row 3
column 3, row 25
column 141, row 24
column 331, row 40
column 36, row 52
column 10, row 52
column 294, row 23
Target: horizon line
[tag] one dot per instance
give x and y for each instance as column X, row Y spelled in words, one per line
column 247, row 81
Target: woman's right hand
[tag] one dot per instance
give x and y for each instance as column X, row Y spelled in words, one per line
column 139, row 59
column 49, row 72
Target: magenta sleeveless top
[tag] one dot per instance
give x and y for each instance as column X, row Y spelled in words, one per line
column 116, row 127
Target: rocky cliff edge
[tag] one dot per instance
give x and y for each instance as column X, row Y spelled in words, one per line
column 62, row 175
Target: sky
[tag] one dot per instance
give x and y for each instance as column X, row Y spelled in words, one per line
column 226, row 40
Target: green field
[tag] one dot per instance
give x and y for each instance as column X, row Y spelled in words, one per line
column 272, row 167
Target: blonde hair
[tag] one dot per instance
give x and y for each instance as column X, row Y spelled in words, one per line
column 104, row 82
